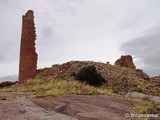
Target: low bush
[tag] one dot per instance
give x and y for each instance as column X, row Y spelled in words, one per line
column 90, row 76
column 6, row 83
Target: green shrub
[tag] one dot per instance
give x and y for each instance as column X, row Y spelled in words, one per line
column 6, row 83
column 89, row 75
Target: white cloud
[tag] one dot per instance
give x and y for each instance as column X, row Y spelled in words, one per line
column 74, row 29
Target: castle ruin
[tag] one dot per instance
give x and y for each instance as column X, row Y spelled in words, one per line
column 28, row 55
column 125, row 61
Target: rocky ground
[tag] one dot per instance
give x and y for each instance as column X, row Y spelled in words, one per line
column 19, row 106
column 22, row 106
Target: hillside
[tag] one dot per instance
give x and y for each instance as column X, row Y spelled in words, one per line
column 119, row 79
column 55, row 94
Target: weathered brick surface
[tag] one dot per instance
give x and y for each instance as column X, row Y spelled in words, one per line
column 28, row 55
column 125, row 61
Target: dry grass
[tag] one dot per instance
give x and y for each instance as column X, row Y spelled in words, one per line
column 147, row 108
column 56, row 87
column 3, row 98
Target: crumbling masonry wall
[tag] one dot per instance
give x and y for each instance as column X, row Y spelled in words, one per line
column 28, row 55
column 125, row 61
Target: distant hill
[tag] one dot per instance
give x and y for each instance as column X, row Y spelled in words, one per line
column 9, row 78
column 119, row 79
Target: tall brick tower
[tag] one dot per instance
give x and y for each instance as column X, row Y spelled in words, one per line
column 28, row 55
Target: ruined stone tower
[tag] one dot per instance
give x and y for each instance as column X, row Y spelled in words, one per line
column 28, row 55
column 125, row 61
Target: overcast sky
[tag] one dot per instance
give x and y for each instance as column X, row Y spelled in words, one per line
column 97, row 30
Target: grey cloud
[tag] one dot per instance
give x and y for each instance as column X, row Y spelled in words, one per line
column 9, row 51
column 152, row 71
column 65, row 7
column 2, row 58
column 152, row 31
column 147, row 49
column 4, row 50
column 47, row 31
column 9, row 78
column 135, row 19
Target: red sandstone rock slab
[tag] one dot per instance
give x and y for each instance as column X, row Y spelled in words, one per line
column 18, row 107
column 88, row 107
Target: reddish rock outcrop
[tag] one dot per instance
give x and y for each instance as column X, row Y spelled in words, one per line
column 28, row 55
column 125, row 61
column 142, row 74
column 156, row 81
